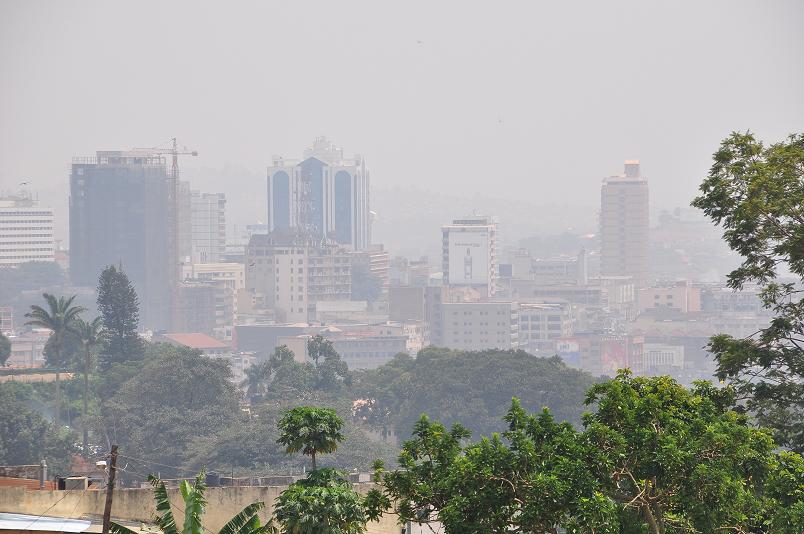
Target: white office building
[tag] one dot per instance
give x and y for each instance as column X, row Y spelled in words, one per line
column 469, row 254
column 26, row 231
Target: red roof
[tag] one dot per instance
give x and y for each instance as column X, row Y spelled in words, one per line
column 27, row 483
column 196, row 340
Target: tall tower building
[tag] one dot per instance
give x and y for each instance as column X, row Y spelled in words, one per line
column 624, row 225
column 26, row 230
column 324, row 196
column 122, row 212
column 469, row 254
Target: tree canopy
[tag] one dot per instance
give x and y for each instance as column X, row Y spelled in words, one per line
column 322, row 503
column 756, row 193
column 176, row 396
column 653, row 456
column 26, row 437
column 470, row 387
column 310, row 431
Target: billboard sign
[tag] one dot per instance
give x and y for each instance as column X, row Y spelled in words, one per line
column 469, row 258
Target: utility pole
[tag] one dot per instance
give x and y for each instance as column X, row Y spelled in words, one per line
column 107, row 510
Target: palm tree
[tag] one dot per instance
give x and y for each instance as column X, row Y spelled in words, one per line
column 246, row 522
column 310, row 430
column 59, row 318
column 89, row 337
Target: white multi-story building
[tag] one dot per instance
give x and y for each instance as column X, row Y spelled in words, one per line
column 540, row 324
column 291, row 278
column 469, row 254
column 624, row 225
column 208, row 226
column 26, row 231
column 478, row 326
column 325, row 196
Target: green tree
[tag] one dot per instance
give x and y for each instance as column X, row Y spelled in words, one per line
column 470, row 387
column 280, row 376
column 534, row 478
column 176, row 398
column 245, row 522
column 323, row 503
column 756, row 193
column 310, row 430
column 25, row 436
column 677, row 459
column 5, row 349
column 59, row 317
column 119, row 307
column 88, row 334
column 333, row 373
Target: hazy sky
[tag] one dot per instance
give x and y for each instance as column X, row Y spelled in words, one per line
column 528, row 100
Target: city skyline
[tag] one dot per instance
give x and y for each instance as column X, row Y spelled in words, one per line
column 505, row 85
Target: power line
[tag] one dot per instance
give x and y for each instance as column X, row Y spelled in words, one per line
column 40, row 516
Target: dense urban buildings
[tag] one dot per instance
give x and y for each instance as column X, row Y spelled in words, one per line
column 26, row 230
column 122, row 212
column 325, row 196
column 624, row 225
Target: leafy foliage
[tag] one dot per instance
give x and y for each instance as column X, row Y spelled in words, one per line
column 310, row 430
column 25, row 436
column 757, row 194
column 678, row 458
column 119, row 307
column 533, row 478
column 323, row 503
column 472, row 388
column 176, row 396
column 653, row 457
column 332, row 372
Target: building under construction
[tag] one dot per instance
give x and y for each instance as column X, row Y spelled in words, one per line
column 122, row 211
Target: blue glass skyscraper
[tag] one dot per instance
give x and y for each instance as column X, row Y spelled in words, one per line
column 324, row 196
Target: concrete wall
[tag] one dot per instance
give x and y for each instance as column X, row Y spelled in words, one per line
column 138, row 505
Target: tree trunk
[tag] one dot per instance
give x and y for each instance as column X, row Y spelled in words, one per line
column 313, row 455
column 57, row 412
column 85, row 442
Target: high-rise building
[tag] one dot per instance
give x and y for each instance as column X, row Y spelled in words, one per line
column 208, row 220
column 26, row 231
column 624, row 225
column 122, row 212
column 469, row 254
column 324, row 196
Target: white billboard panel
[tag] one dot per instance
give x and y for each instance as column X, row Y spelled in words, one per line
column 469, row 258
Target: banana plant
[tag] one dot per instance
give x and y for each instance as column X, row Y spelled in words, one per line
column 245, row 522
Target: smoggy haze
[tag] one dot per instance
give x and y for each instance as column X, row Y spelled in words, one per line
column 539, row 99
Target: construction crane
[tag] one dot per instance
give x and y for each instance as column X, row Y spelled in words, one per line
column 174, row 263
column 172, row 150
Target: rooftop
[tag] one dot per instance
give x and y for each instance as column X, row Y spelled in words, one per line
column 195, row 340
